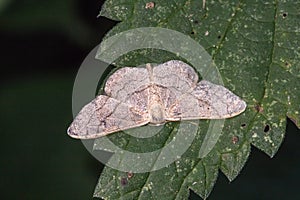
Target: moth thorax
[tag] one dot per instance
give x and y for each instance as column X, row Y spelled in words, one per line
column 157, row 115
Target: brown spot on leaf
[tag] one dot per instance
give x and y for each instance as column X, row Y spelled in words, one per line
column 287, row 64
column 235, row 139
column 129, row 175
column 258, row 108
column 124, row 181
column 150, row 5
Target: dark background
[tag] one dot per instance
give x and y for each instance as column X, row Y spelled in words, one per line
column 42, row 46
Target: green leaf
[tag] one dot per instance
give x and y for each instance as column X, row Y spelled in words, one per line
column 256, row 47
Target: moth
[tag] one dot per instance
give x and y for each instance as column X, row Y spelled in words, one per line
column 153, row 95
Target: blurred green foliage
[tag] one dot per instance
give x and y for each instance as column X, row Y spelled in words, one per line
column 3, row 4
column 62, row 16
